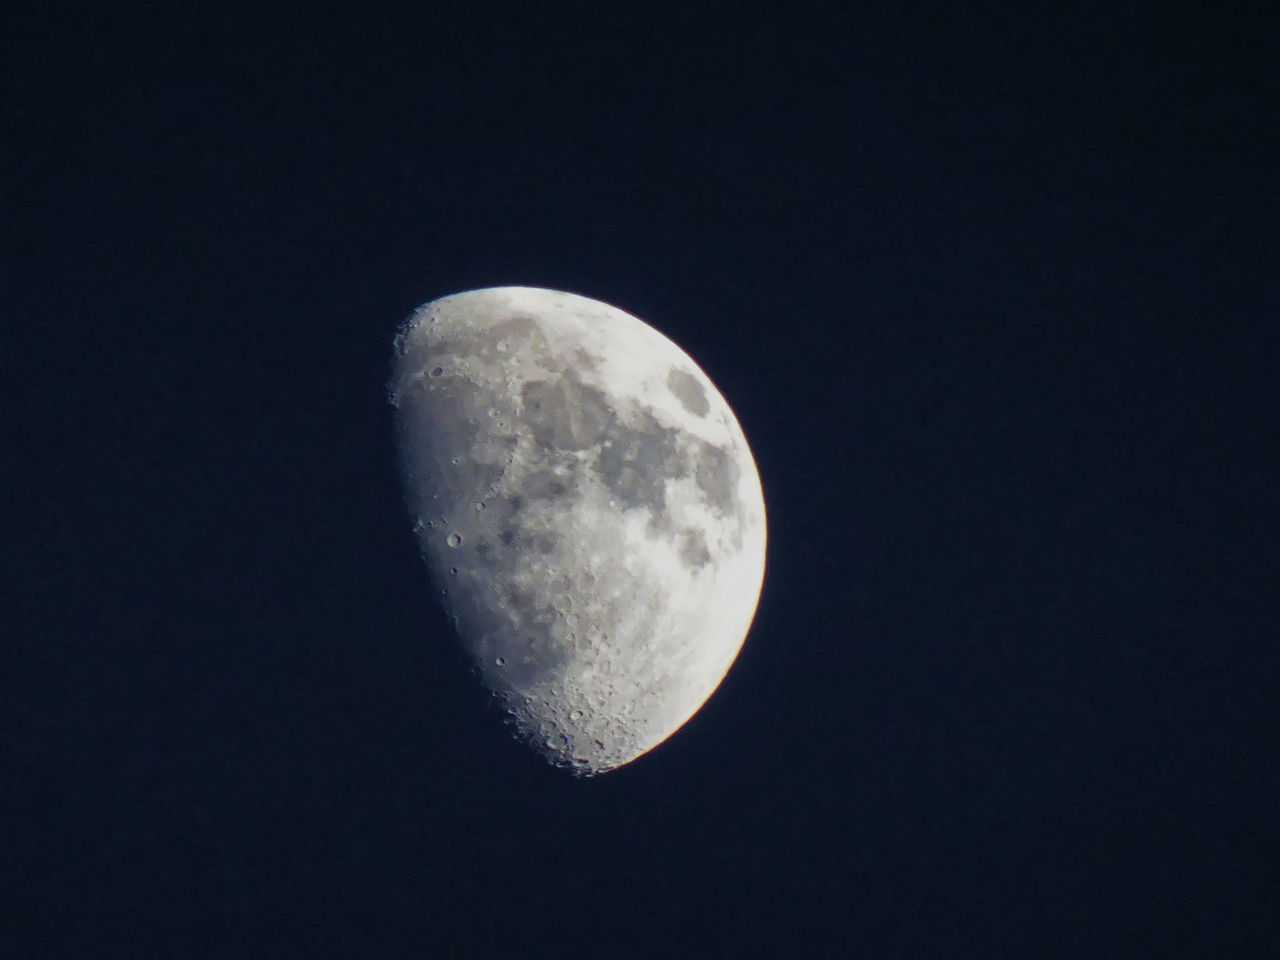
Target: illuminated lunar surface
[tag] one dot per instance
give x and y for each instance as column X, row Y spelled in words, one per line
column 587, row 502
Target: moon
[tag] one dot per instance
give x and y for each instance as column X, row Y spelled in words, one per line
column 587, row 502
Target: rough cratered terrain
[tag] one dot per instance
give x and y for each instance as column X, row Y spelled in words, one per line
column 589, row 505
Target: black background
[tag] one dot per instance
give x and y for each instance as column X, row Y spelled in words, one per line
column 993, row 291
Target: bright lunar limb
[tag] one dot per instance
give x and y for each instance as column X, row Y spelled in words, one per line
column 588, row 504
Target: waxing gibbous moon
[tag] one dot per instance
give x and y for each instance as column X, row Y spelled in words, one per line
column 588, row 504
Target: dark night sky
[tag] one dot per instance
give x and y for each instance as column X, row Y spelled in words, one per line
column 994, row 294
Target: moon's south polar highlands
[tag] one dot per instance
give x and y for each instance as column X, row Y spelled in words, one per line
column 587, row 502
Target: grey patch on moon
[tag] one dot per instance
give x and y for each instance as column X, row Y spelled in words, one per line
column 717, row 477
column 688, row 391
column 564, row 413
column 514, row 335
column 693, row 548
column 540, row 542
column 637, row 463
